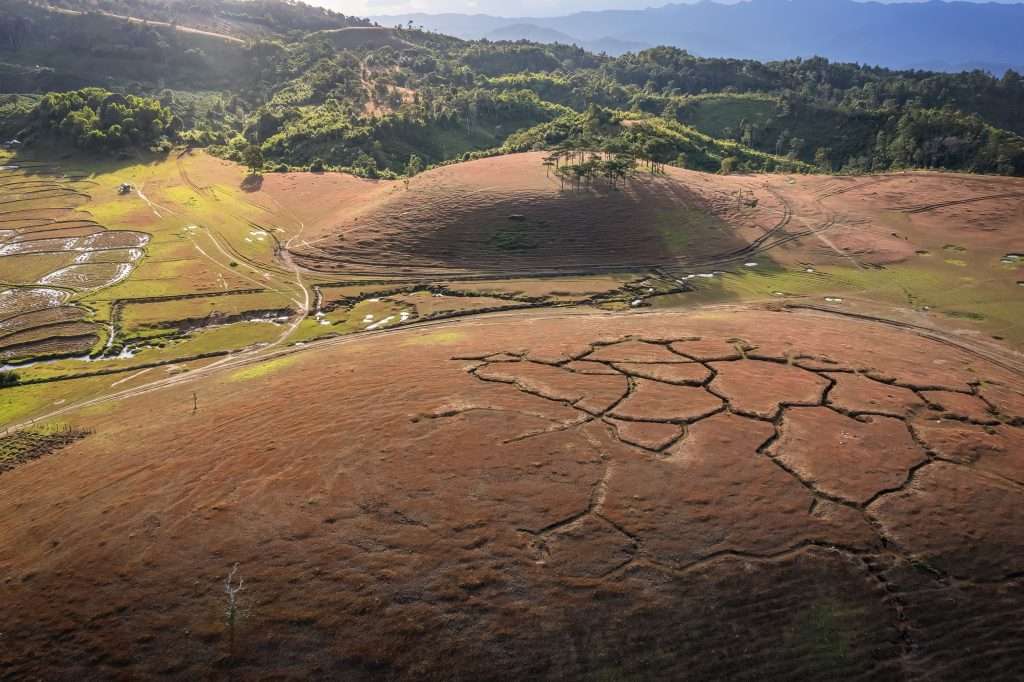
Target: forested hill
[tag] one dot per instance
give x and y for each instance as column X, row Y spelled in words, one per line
column 930, row 35
column 305, row 87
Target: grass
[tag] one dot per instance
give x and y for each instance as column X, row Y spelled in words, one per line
column 717, row 115
column 426, row 303
column 441, row 338
column 684, row 230
column 262, row 369
column 349, row 320
column 959, row 286
column 555, row 286
column 516, row 237
column 823, row 630
column 148, row 316
column 28, row 269
column 231, row 337
column 20, row 403
column 989, row 298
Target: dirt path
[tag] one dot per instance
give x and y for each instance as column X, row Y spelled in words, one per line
column 296, row 270
column 155, row 207
column 303, row 305
column 1002, row 359
column 149, row 22
column 370, row 107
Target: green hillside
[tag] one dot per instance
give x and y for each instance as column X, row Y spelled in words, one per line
column 313, row 87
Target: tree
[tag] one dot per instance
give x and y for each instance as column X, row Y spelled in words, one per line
column 796, row 146
column 232, row 613
column 252, row 157
column 414, row 167
column 365, row 165
column 823, row 158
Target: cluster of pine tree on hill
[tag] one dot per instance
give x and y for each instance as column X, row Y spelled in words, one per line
column 578, row 168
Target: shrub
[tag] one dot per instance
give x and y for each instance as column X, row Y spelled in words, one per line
column 8, row 378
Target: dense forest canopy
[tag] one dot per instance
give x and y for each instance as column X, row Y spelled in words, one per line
column 97, row 120
column 313, row 87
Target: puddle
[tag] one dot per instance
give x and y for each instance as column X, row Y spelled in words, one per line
column 77, row 276
column 125, row 354
column 832, row 299
column 381, row 323
column 750, row 265
column 808, row 269
column 31, row 299
column 637, row 302
column 123, row 271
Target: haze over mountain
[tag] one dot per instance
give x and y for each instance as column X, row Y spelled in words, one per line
column 930, row 35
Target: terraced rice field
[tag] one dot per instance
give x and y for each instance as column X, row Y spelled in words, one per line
column 52, row 251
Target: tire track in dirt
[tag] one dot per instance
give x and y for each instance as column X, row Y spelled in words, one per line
column 924, row 208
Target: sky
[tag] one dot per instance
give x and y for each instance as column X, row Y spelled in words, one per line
column 504, row 8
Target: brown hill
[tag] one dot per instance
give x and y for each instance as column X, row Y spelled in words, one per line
column 732, row 494
column 510, row 214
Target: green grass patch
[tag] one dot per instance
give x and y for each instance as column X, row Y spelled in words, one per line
column 262, row 369
column 445, row 338
column 516, row 237
column 138, row 317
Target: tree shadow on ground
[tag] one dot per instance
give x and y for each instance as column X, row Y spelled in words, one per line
column 252, row 183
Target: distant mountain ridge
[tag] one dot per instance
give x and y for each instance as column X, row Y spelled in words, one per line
column 934, row 35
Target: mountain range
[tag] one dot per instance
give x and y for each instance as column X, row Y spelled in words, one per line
column 943, row 36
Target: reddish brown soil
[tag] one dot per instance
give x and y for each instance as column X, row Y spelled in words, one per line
column 960, row 406
column 506, row 214
column 857, row 394
column 758, row 388
column 979, row 209
column 850, row 459
column 463, row 502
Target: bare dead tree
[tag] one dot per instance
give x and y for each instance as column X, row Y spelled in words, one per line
column 231, row 613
